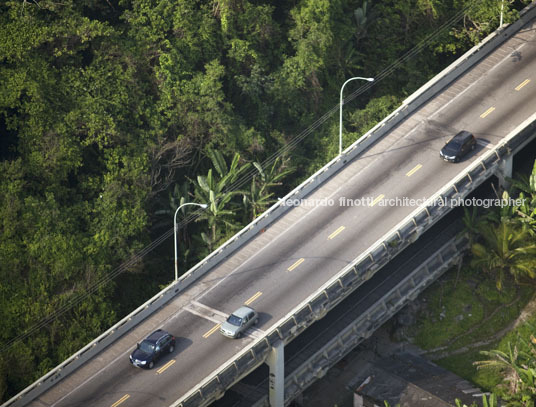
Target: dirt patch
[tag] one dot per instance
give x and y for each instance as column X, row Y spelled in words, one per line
column 528, row 311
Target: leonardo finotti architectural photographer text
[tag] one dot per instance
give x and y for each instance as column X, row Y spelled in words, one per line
column 403, row 201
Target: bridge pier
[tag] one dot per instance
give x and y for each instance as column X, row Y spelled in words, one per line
column 505, row 171
column 276, row 363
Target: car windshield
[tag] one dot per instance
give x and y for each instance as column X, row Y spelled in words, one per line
column 234, row 320
column 454, row 143
column 147, row 347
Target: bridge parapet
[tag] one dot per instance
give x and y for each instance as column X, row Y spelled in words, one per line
column 364, row 267
column 406, row 233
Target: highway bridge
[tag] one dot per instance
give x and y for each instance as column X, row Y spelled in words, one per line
column 295, row 263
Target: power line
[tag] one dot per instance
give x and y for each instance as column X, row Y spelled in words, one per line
column 239, row 183
column 246, row 178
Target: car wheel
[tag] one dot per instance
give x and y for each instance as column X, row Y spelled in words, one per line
column 256, row 321
column 473, row 146
column 171, row 349
column 238, row 335
column 151, row 364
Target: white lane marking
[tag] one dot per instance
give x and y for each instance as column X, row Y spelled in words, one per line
column 213, row 310
column 302, row 219
column 203, row 315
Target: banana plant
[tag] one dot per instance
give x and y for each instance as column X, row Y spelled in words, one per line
column 215, row 189
column 258, row 198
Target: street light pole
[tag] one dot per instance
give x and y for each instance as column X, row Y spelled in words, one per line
column 340, row 112
column 204, row 206
column 502, row 10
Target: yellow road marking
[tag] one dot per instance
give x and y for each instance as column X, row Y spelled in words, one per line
column 300, row 261
column 168, row 364
column 214, row 329
column 518, row 87
column 253, row 298
column 378, row 199
column 491, row 109
column 339, row 230
column 414, row 170
column 126, row 396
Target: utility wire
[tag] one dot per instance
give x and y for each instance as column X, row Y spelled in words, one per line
column 292, row 143
column 239, row 183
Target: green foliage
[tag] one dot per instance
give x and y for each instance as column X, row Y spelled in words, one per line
column 258, row 198
column 106, row 106
column 216, row 192
column 465, row 309
column 506, row 250
column 486, row 402
column 518, row 365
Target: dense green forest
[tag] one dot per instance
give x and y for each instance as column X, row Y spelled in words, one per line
column 115, row 111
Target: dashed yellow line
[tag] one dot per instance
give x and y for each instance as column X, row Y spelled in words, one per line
column 378, row 199
column 214, row 329
column 168, row 364
column 339, row 230
column 253, row 298
column 491, row 109
column 414, row 170
column 122, row 399
column 300, row 261
column 518, row 87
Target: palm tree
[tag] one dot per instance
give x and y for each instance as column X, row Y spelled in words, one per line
column 258, row 198
column 506, row 249
column 474, row 222
column 526, row 185
column 519, row 370
column 507, row 362
column 214, row 190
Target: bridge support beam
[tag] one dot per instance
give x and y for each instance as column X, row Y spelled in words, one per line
column 276, row 362
column 505, row 171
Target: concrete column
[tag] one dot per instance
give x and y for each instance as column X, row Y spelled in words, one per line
column 505, row 171
column 276, row 362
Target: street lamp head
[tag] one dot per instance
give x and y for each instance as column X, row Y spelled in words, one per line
column 341, row 103
column 204, row 206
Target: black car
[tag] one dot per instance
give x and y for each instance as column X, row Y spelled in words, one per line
column 458, row 146
column 152, row 348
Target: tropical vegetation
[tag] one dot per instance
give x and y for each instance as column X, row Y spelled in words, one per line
column 479, row 320
column 508, row 250
column 113, row 113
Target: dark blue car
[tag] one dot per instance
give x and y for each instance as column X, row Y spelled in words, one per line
column 458, row 146
column 152, row 348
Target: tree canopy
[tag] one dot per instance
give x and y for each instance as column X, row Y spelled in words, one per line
column 109, row 109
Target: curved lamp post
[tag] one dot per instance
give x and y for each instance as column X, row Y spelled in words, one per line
column 340, row 113
column 204, row 206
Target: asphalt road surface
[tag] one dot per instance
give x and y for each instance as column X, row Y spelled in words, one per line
column 303, row 249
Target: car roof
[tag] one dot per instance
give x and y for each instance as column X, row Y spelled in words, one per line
column 462, row 135
column 156, row 335
column 243, row 311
